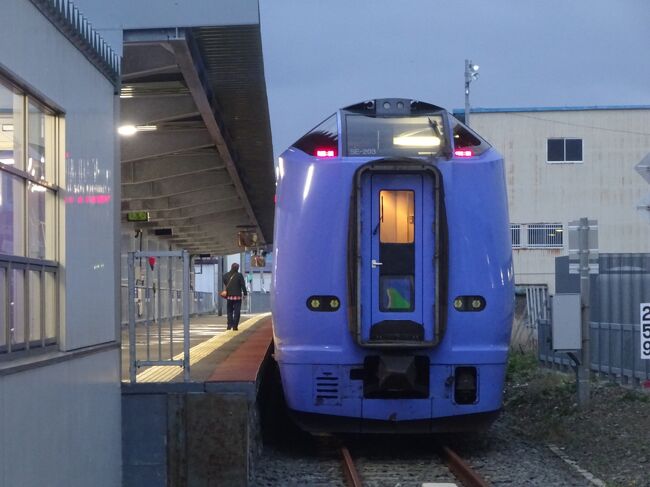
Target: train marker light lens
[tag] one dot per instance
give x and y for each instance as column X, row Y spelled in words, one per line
column 469, row 303
column 323, row 303
column 326, row 152
column 463, row 153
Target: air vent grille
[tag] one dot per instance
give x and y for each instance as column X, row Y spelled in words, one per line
column 326, row 386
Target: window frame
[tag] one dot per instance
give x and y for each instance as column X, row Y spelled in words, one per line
column 564, row 160
column 45, row 271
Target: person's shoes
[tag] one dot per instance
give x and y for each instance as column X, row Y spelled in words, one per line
column 235, row 329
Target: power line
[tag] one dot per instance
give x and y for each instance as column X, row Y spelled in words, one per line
column 604, row 129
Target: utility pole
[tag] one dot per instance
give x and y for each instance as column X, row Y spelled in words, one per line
column 585, row 357
column 471, row 73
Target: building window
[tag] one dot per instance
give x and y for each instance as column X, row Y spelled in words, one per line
column 515, row 235
column 545, row 235
column 29, row 149
column 563, row 150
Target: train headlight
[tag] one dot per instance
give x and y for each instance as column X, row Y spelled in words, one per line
column 335, row 303
column 314, row 303
column 458, row 303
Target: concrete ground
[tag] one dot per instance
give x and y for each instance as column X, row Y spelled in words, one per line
column 202, row 329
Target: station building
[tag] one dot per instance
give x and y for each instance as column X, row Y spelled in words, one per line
column 60, row 405
column 565, row 163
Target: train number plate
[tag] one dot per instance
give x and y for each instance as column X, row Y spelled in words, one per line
column 645, row 331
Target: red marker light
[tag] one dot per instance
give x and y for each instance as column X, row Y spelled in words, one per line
column 463, row 153
column 326, row 152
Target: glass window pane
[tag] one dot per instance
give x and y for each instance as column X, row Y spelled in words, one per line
column 555, row 149
column 574, row 150
column 394, row 136
column 34, row 306
column 396, row 216
column 11, row 127
column 325, row 137
column 17, row 308
column 396, row 293
column 41, row 147
column 12, row 215
column 40, row 222
column 51, row 317
column 464, row 138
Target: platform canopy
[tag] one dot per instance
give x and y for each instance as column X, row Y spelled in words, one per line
column 200, row 160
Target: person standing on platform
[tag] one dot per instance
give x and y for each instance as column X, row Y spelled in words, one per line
column 235, row 286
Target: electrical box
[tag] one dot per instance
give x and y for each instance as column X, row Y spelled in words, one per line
column 566, row 331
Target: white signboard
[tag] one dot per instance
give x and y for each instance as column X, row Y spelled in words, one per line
column 645, row 331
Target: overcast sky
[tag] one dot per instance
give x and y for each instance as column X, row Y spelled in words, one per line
column 320, row 55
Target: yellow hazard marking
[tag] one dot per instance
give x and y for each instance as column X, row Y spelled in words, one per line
column 167, row 373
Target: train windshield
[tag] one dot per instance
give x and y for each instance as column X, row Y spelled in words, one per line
column 394, row 136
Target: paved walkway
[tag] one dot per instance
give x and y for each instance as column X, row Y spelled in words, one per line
column 210, row 343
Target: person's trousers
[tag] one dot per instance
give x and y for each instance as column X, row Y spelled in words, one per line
column 233, row 310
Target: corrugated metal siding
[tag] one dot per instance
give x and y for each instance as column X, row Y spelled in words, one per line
column 235, row 70
column 616, row 293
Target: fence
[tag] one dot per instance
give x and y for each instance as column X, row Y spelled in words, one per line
column 151, row 279
column 616, row 292
column 200, row 303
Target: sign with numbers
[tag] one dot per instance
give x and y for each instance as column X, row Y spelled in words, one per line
column 645, row 331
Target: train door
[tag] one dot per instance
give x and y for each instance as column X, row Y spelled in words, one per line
column 397, row 259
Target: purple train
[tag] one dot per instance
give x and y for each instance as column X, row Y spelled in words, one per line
column 393, row 283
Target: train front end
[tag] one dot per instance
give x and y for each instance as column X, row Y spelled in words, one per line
column 393, row 284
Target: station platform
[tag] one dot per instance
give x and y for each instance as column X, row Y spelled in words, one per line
column 205, row 431
column 210, row 345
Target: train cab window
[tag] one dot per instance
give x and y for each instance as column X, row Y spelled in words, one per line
column 394, row 136
column 322, row 140
column 465, row 138
column 396, row 217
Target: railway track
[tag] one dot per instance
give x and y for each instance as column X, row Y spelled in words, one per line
column 449, row 469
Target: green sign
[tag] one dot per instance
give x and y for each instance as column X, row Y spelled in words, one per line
column 137, row 216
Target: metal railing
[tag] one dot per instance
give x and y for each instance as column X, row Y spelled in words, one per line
column 201, row 303
column 537, row 235
column 153, row 321
column 28, row 303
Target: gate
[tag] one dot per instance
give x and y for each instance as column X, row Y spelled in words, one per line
column 158, row 303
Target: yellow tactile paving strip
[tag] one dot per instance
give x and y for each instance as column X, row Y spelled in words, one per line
column 167, row 373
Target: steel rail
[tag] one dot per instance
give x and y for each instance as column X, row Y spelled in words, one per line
column 463, row 472
column 349, row 470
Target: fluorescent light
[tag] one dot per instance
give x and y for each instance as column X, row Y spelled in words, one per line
column 7, row 127
column 127, row 130
column 416, row 141
column 132, row 129
column 7, row 161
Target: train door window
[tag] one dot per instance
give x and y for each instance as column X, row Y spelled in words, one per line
column 397, row 243
column 396, row 216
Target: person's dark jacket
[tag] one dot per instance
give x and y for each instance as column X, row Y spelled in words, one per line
column 235, row 286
